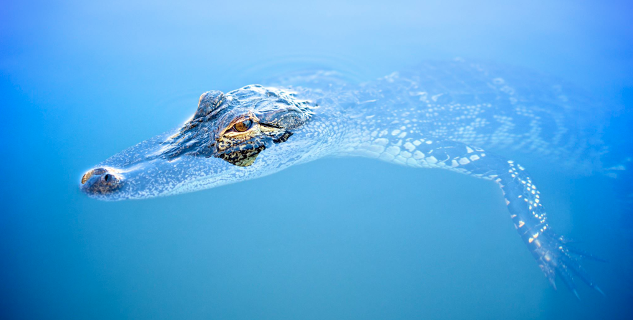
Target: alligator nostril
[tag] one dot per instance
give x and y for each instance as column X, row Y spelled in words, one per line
column 101, row 181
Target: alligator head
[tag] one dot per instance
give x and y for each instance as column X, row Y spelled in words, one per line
column 243, row 134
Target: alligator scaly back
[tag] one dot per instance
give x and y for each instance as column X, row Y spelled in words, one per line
column 466, row 118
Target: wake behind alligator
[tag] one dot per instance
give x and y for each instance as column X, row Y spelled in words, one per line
column 460, row 116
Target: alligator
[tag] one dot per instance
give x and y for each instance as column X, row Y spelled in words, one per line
column 454, row 115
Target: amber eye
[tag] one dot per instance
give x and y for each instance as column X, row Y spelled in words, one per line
column 243, row 125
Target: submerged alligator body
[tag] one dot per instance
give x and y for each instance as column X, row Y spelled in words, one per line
column 450, row 115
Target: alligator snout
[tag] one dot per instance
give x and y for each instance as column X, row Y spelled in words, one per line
column 101, row 181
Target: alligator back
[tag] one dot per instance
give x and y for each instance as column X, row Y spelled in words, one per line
column 504, row 109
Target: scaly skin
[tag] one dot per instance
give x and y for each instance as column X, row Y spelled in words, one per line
column 453, row 115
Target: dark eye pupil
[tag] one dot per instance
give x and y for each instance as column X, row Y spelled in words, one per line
column 244, row 125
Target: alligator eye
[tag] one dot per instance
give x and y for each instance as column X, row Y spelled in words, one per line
column 243, row 125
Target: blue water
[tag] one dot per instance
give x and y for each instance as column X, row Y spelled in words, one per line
column 342, row 238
